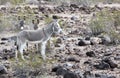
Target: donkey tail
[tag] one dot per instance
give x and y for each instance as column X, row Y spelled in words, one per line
column 12, row 38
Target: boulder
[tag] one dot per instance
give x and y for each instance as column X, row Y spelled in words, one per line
column 110, row 62
column 71, row 75
column 3, row 70
column 102, row 66
column 83, row 42
column 90, row 54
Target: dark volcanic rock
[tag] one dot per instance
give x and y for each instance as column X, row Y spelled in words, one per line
column 72, row 59
column 54, row 69
column 105, row 40
column 3, row 70
column 2, row 43
column 74, row 5
column 88, row 74
column 107, row 53
column 90, row 54
column 117, row 58
column 71, row 75
column 74, row 18
column 61, row 71
column 110, row 62
column 103, row 76
column 55, row 17
column 87, row 38
column 2, row 39
column 102, row 66
column 83, row 42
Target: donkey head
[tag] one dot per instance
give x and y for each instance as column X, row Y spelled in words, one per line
column 56, row 27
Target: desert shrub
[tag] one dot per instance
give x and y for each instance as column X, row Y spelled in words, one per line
column 84, row 2
column 106, row 22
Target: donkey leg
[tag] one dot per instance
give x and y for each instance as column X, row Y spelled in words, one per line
column 43, row 47
column 16, row 55
column 21, row 50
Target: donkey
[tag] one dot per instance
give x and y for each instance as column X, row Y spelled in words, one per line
column 37, row 36
column 20, row 23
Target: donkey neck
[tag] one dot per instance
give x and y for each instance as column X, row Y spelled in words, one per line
column 48, row 30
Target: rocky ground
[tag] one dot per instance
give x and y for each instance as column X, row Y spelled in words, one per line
column 77, row 54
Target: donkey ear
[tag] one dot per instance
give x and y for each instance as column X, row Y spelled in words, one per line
column 53, row 27
column 33, row 21
column 38, row 21
column 18, row 18
column 24, row 17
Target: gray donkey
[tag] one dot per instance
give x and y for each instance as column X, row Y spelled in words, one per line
column 37, row 36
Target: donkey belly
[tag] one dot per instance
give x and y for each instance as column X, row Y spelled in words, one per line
column 34, row 37
column 35, row 42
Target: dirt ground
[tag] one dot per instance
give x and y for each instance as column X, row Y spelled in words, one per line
column 65, row 50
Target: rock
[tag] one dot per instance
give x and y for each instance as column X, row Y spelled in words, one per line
column 110, row 62
column 87, row 38
column 68, row 65
column 103, row 76
column 2, row 43
column 73, row 59
column 102, row 66
column 61, row 71
column 22, row 76
column 71, row 75
column 54, row 69
column 95, row 40
column 55, row 17
column 3, row 39
column 88, row 62
column 88, row 74
column 83, row 42
column 59, row 40
column 105, row 40
column 74, row 5
column 90, row 54
column 76, row 66
column 3, row 70
column 117, row 58
column 57, row 45
column 107, row 53
column 74, row 18
column 59, row 9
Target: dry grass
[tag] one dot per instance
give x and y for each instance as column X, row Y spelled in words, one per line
column 106, row 22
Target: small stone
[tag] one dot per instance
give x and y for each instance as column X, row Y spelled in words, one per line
column 74, row 18
column 110, row 62
column 61, row 71
column 90, row 54
column 117, row 58
column 83, row 42
column 55, row 17
column 54, row 69
column 3, row 70
column 102, row 66
column 73, row 59
column 59, row 40
column 71, row 75
column 88, row 74
column 105, row 39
